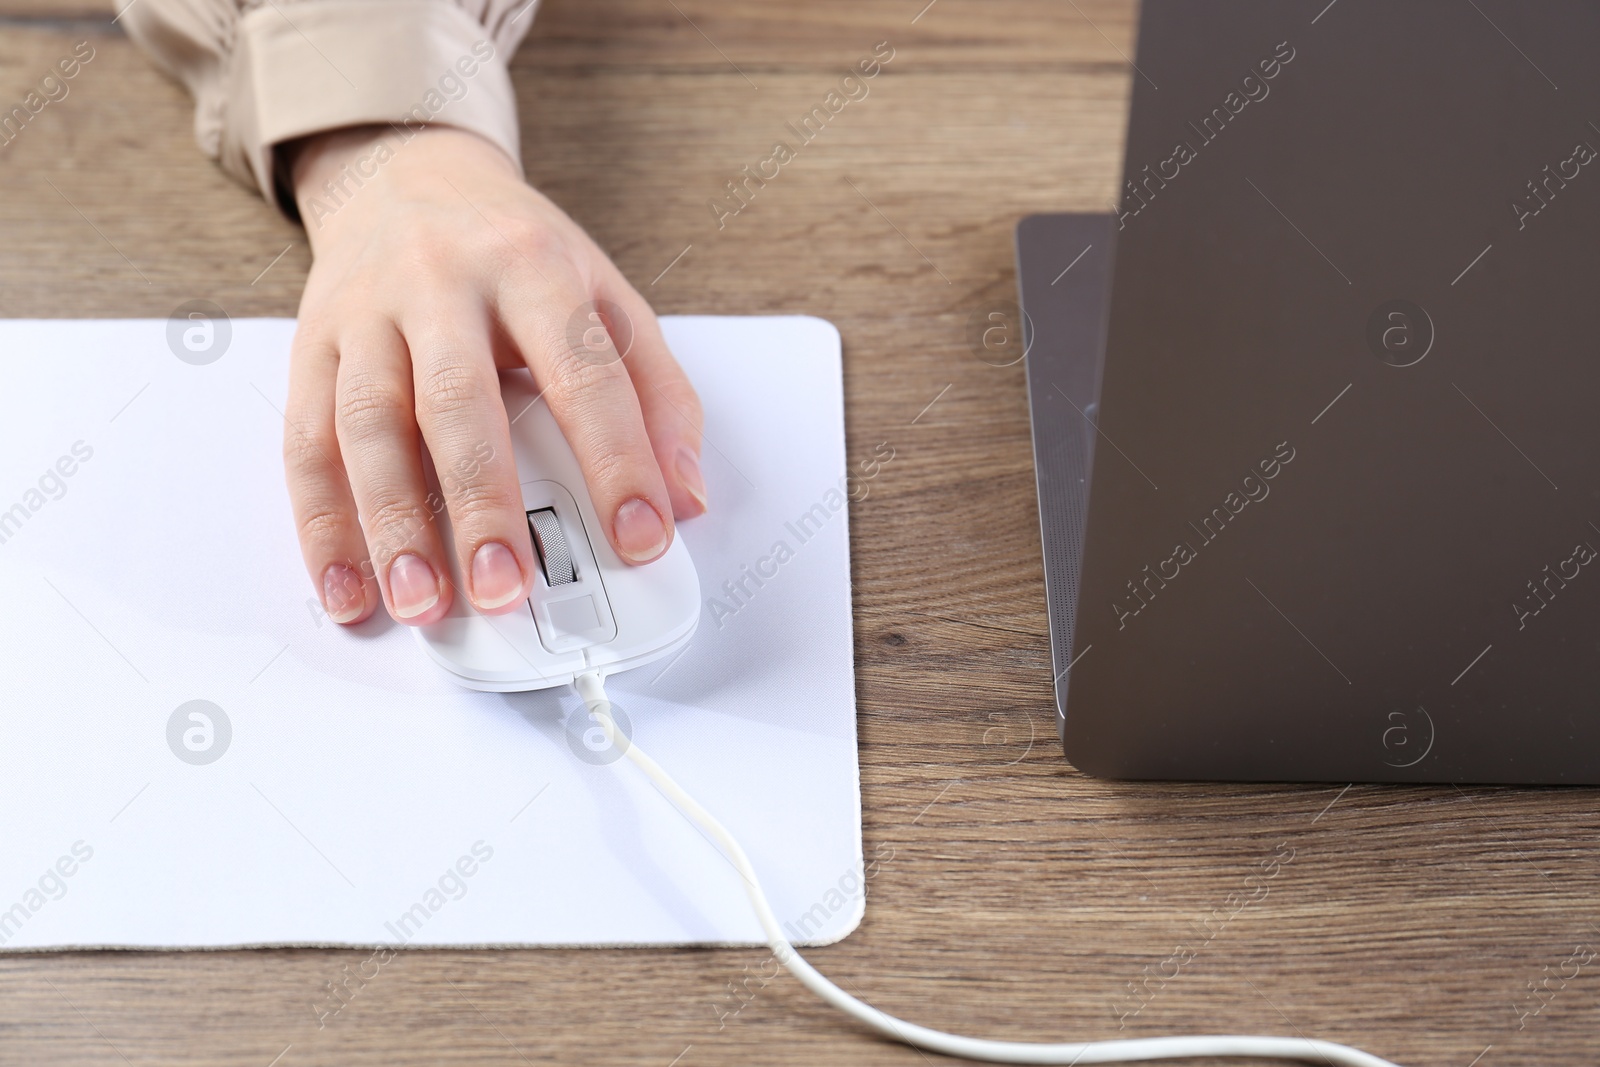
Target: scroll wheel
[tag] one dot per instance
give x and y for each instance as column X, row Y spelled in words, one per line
column 554, row 552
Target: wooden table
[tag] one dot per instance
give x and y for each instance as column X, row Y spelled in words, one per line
column 1014, row 896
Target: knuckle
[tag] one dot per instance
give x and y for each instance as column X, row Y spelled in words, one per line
column 574, row 381
column 422, row 258
column 448, row 383
column 479, row 499
column 309, row 453
column 614, row 463
column 611, row 466
column 393, row 524
column 369, row 399
column 321, row 524
column 533, row 238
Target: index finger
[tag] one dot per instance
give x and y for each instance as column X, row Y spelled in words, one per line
column 592, row 398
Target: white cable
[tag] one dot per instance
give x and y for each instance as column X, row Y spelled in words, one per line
column 592, row 689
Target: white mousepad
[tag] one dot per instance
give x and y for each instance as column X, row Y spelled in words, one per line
column 194, row 756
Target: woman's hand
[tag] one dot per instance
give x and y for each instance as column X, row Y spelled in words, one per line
column 436, row 265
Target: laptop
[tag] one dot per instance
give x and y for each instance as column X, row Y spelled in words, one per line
column 1315, row 402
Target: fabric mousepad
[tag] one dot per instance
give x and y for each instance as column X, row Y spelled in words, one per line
column 195, row 756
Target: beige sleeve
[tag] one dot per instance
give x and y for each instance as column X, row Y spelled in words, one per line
column 264, row 72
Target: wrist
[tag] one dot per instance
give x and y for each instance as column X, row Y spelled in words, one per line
column 329, row 171
column 341, row 177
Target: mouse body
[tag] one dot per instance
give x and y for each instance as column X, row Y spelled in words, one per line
column 589, row 610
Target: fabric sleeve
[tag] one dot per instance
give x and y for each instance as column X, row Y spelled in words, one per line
column 265, row 72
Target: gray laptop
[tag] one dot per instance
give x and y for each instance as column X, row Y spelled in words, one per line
column 1316, row 404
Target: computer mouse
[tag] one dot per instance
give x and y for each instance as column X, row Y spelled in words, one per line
column 589, row 611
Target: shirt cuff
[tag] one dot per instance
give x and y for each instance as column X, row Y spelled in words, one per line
column 305, row 68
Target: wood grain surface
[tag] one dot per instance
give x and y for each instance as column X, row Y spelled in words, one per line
column 1013, row 896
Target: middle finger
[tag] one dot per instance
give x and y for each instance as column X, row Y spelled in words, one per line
column 382, row 448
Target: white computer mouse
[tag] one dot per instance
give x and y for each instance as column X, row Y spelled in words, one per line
column 589, row 610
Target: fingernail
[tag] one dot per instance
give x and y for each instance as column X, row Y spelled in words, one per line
column 413, row 588
column 342, row 594
column 689, row 474
column 641, row 534
column 496, row 578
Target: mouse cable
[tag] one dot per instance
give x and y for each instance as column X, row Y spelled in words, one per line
column 592, row 689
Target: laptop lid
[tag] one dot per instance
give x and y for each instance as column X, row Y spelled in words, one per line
column 1344, row 488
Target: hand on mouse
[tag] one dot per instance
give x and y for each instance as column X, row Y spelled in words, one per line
column 439, row 267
